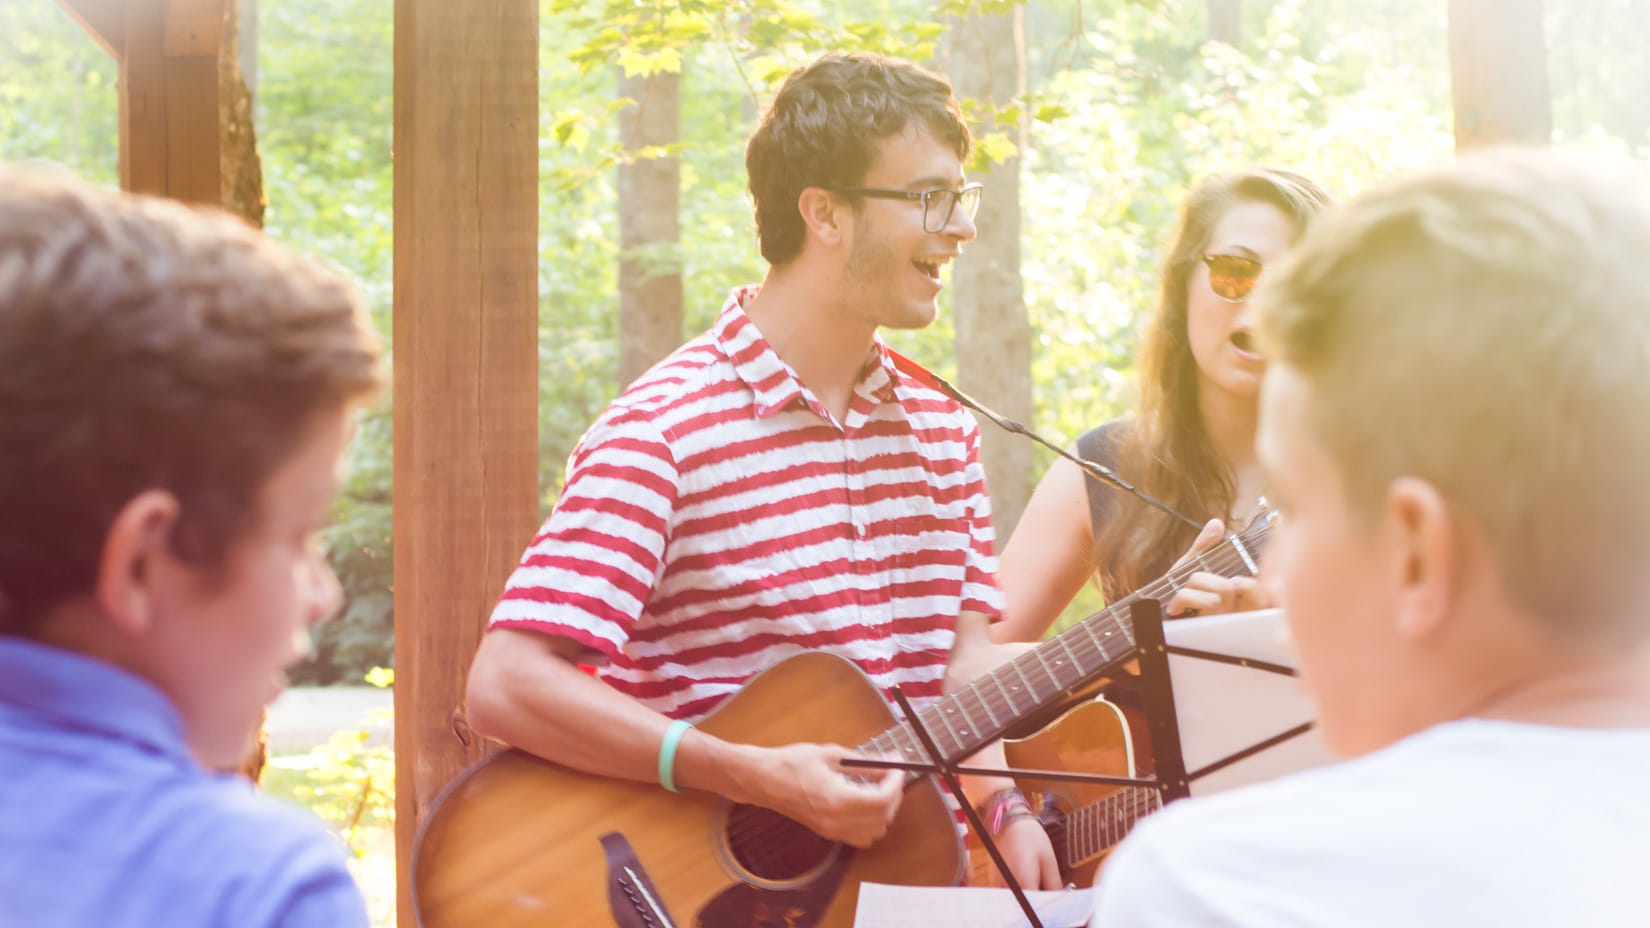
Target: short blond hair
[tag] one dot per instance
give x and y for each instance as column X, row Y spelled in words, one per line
column 1485, row 326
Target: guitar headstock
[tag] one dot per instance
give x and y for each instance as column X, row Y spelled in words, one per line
column 1254, row 536
column 1265, row 516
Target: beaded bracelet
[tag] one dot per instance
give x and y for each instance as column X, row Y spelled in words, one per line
column 1013, row 817
column 1004, row 806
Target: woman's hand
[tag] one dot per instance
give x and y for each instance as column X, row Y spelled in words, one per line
column 1026, row 849
column 1208, row 593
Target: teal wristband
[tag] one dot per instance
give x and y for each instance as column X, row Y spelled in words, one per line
column 667, row 754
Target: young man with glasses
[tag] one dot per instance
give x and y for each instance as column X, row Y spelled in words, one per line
column 775, row 486
column 1452, row 429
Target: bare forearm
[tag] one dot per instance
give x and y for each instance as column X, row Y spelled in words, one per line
column 1049, row 557
column 523, row 691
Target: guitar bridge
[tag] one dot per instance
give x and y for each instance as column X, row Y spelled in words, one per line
column 631, row 895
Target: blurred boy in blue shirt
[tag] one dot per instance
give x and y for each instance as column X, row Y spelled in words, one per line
column 175, row 393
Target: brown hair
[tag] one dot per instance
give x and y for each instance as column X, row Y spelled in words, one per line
column 1167, row 452
column 1485, row 326
column 144, row 345
column 825, row 127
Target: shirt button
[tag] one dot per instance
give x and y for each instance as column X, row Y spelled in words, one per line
column 860, row 529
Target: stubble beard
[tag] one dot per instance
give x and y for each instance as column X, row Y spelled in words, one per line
column 872, row 275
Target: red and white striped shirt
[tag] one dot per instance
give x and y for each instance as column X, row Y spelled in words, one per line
column 716, row 519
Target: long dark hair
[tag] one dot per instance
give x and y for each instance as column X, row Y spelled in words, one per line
column 1166, row 451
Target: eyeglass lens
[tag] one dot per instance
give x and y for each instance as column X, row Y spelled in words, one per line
column 1232, row 277
column 938, row 205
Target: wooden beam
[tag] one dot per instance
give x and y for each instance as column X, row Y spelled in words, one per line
column 194, row 28
column 103, row 20
column 1498, row 73
column 466, row 364
column 170, row 121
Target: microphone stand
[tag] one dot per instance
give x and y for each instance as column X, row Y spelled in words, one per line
column 1094, row 469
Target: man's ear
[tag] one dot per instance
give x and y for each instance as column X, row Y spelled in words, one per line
column 823, row 215
column 138, row 537
column 1424, row 534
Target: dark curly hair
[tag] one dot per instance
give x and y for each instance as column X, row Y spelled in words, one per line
column 824, row 129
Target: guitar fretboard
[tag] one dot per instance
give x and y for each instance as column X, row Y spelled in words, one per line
column 1097, row 827
column 966, row 721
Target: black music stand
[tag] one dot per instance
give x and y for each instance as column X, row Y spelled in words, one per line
column 948, row 769
column 1171, row 779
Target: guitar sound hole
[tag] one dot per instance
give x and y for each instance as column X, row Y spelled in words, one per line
column 771, row 849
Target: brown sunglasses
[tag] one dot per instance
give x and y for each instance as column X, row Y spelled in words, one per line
column 1231, row 277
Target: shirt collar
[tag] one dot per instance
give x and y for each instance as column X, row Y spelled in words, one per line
column 73, row 691
column 773, row 382
column 879, row 377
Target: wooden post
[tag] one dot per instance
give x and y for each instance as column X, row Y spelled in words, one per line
column 181, row 130
column 171, row 127
column 466, row 357
column 1498, row 73
column 170, row 136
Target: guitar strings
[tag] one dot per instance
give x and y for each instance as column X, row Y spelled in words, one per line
column 765, row 838
column 1089, row 827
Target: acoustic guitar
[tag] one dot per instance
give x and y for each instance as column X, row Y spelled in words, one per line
column 517, row 841
column 1085, row 821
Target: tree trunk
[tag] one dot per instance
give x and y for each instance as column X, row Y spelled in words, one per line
column 650, row 265
column 1498, row 73
column 243, row 194
column 1226, row 22
column 246, row 40
column 993, row 333
column 243, row 173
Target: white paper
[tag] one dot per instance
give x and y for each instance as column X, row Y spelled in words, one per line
column 1224, row 708
column 884, row 906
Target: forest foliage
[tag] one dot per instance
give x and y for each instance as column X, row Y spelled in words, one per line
column 1129, row 104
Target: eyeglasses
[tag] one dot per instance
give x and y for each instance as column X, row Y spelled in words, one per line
column 938, row 203
column 1231, row 277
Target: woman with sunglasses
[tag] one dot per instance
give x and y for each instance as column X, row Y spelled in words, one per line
column 1190, row 443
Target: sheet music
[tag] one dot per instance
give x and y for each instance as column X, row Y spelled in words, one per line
column 1224, row 708
column 885, row 906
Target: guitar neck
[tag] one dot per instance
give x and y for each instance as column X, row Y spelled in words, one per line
column 968, row 720
column 1096, row 828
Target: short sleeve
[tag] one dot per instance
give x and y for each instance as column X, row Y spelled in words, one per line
column 591, row 570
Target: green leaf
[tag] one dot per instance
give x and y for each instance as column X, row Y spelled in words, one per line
column 1049, row 112
column 767, row 69
column 997, row 146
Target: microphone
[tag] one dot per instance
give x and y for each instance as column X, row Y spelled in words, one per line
column 1096, row 471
